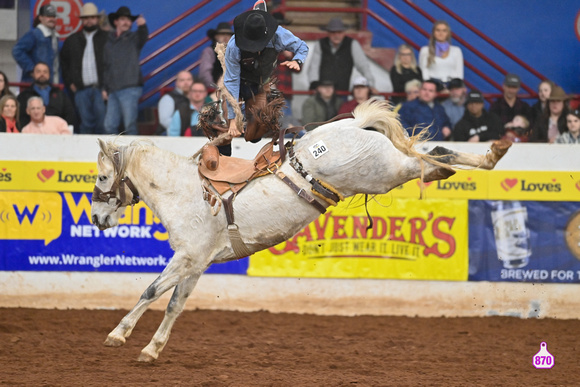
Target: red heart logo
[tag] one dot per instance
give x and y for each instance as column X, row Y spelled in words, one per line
column 90, row 171
column 508, row 184
column 426, row 184
column 3, row 169
column 578, row 185
column 45, row 174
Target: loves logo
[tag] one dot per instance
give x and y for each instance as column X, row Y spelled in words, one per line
column 45, row 174
column 425, row 183
column 508, row 184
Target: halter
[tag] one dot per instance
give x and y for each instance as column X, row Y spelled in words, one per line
column 100, row 196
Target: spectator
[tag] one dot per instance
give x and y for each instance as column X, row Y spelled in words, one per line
column 55, row 100
column 412, row 89
column 210, row 68
column 425, row 111
column 477, row 125
column 572, row 136
column 454, row 105
column 41, row 123
column 250, row 59
column 508, row 106
column 4, row 85
column 361, row 92
column 185, row 118
column 9, row 119
column 322, row 106
column 334, row 57
column 404, row 70
column 553, row 122
column 39, row 45
column 544, row 90
column 518, row 129
column 172, row 101
column 82, row 70
column 440, row 60
column 123, row 82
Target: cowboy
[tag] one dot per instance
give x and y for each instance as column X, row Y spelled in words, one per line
column 251, row 58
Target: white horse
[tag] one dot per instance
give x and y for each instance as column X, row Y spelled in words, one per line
column 267, row 211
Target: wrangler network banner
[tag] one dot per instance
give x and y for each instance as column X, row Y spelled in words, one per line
column 51, row 231
column 410, row 239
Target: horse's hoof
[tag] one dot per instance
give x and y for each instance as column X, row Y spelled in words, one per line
column 146, row 357
column 501, row 146
column 114, row 341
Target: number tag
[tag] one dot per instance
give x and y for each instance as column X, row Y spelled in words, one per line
column 318, row 149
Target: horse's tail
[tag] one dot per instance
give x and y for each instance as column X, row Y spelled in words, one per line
column 379, row 115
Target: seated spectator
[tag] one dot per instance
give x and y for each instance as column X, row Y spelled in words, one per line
column 170, row 102
column 425, row 111
column 55, row 100
column 537, row 109
column 440, row 60
column 508, row 106
column 4, row 87
column 518, row 129
column 210, row 68
column 553, row 122
column 412, row 89
column 572, row 136
column 41, row 123
column 404, row 70
column 322, row 106
column 9, row 117
column 455, row 105
column 360, row 93
column 477, row 125
column 185, row 118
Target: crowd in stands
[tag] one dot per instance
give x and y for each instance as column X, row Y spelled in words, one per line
column 99, row 67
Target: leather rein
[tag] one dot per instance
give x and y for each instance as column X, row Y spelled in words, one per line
column 118, row 185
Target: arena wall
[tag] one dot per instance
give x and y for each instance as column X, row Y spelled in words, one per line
column 349, row 296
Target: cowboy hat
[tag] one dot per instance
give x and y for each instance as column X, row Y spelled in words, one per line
column 558, row 94
column 335, row 25
column 88, row 10
column 222, row 28
column 122, row 11
column 254, row 29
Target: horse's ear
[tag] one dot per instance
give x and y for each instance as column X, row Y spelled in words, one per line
column 103, row 146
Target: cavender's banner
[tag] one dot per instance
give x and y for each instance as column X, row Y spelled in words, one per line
column 410, row 239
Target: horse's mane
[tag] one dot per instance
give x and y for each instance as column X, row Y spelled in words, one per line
column 379, row 115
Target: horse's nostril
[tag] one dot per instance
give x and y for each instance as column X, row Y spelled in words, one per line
column 106, row 220
column 95, row 220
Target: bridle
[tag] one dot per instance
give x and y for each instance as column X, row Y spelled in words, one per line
column 118, row 185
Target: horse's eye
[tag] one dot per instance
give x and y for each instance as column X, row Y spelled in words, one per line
column 102, row 178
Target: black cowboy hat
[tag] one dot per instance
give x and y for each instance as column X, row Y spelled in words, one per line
column 254, row 29
column 222, row 28
column 122, row 11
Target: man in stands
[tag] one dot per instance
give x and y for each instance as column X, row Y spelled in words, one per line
column 172, row 101
column 40, row 123
column 82, row 69
column 425, row 111
column 455, row 105
column 55, row 100
column 477, row 125
column 123, row 82
column 185, row 118
column 509, row 106
column 39, row 45
column 334, row 57
column 322, row 106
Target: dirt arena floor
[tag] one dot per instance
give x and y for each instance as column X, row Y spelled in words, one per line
column 213, row 348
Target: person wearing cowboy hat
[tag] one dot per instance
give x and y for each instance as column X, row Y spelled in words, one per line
column 82, row 59
column 210, row 68
column 251, row 58
column 509, row 105
column 335, row 56
column 552, row 122
column 123, row 82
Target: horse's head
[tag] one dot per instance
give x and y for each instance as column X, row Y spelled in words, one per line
column 113, row 189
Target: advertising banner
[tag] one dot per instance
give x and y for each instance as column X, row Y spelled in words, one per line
column 51, row 231
column 410, row 239
column 524, row 241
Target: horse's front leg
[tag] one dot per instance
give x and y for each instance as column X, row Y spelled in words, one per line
column 487, row 161
column 174, row 309
column 170, row 277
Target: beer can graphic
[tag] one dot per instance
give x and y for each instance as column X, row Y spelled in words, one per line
column 512, row 236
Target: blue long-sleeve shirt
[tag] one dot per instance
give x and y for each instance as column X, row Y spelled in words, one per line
column 417, row 112
column 283, row 40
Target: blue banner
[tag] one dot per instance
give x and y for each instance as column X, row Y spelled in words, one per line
column 51, row 231
column 524, row 241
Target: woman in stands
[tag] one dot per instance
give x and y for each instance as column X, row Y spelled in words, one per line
column 9, row 122
column 404, row 70
column 440, row 60
column 4, row 90
column 553, row 121
column 572, row 136
column 544, row 89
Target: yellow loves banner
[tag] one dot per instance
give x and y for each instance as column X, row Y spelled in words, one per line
column 410, row 239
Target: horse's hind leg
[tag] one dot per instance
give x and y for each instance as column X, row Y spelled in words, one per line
column 170, row 277
column 174, row 309
column 487, row 161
